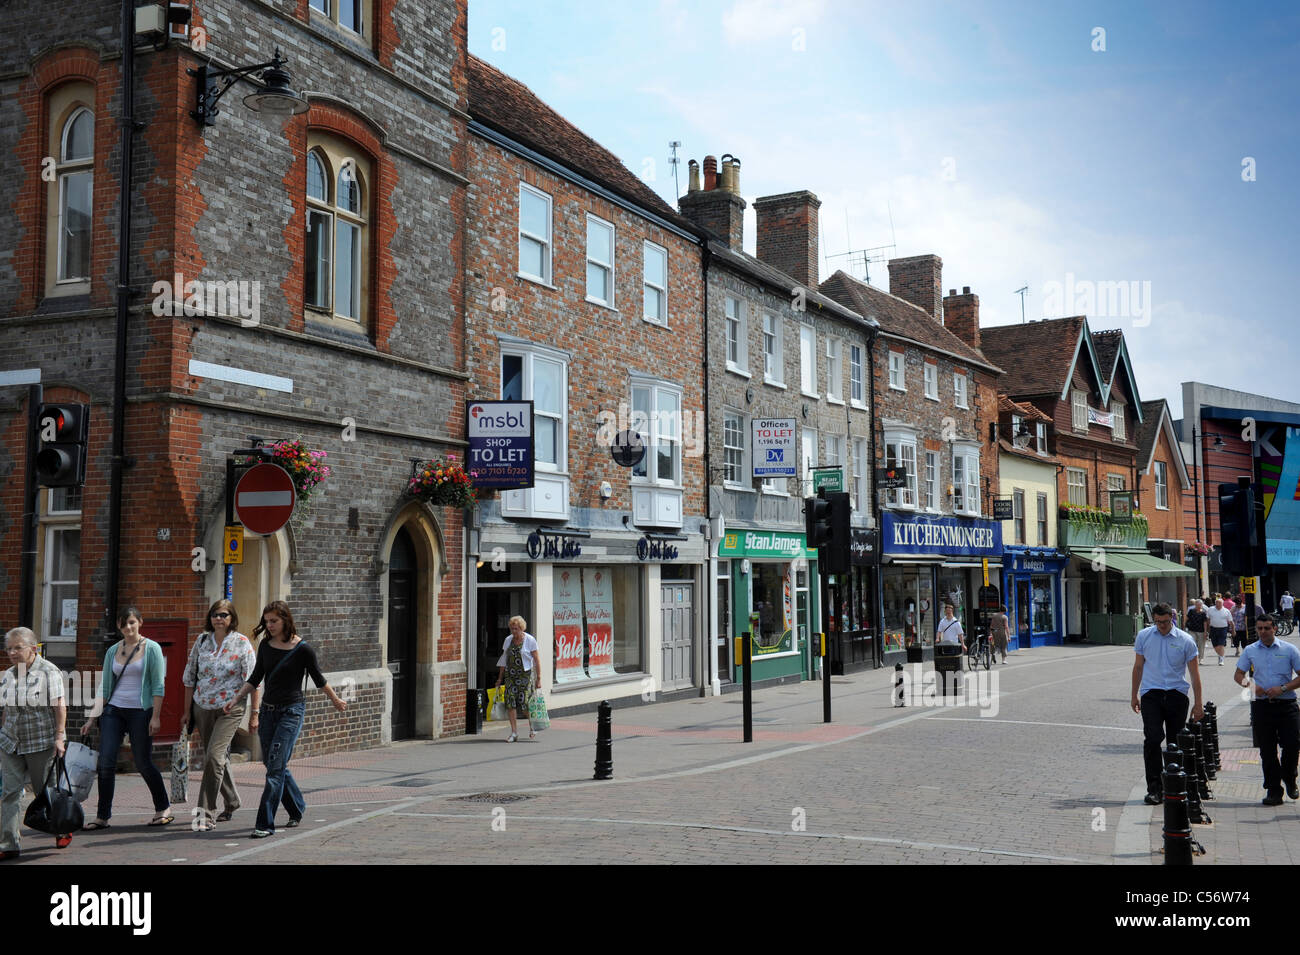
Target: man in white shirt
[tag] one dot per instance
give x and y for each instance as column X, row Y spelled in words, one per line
column 1287, row 605
column 1219, row 620
column 949, row 630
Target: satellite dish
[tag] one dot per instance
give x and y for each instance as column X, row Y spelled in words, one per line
column 627, row 449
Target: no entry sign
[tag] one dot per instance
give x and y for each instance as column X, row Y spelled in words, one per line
column 264, row 498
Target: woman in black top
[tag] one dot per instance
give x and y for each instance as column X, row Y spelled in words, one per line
column 283, row 659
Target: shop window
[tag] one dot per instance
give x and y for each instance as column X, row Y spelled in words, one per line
column 597, row 622
column 724, row 620
column 780, row 605
column 908, row 606
column 1044, row 604
column 337, row 247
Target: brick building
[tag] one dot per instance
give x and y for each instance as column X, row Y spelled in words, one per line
column 312, row 309
column 789, row 365
column 1162, row 484
column 584, row 295
column 935, row 399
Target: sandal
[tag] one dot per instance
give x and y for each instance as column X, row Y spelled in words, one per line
column 94, row 825
column 164, row 821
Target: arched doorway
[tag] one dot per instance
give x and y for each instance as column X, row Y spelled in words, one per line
column 403, row 581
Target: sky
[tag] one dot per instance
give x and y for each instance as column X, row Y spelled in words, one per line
column 1136, row 163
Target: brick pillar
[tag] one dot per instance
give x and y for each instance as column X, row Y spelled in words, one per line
column 787, row 234
column 961, row 315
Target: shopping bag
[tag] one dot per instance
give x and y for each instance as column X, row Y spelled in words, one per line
column 180, row 768
column 497, row 711
column 81, row 762
column 537, row 716
column 55, row 810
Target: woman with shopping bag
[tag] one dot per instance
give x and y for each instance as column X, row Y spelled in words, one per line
column 520, row 667
column 32, row 734
column 220, row 662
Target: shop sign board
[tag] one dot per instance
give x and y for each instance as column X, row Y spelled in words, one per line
column 923, row 534
column 1003, row 509
column 500, row 435
column 775, row 545
column 773, row 444
column 862, row 546
column 830, row 478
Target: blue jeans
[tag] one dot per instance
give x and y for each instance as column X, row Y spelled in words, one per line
column 115, row 723
column 278, row 729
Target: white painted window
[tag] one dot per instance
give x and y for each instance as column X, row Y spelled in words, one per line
column 965, row 479
column 834, row 450
column 532, row 372
column 1162, row 485
column 900, row 452
column 931, row 372
column 856, row 391
column 773, row 369
column 1042, row 519
column 1042, row 437
column 808, row 360
column 860, row 475
column 654, row 283
column 809, row 442
column 1117, row 432
column 76, row 171
column 657, row 414
column 959, row 385
column 896, row 379
column 931, row 485
column 834, row 371
column 1114, row 482
column 1018, row 514
column 1076, row 482
column 733, row 444
column 600, row 261
column 737, row 346
column 534, row 234
column 1079, row 410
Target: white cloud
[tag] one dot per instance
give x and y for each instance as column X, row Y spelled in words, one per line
column 756, row 21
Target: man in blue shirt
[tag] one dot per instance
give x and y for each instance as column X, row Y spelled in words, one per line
column 1274, row 714
column 1166, row 657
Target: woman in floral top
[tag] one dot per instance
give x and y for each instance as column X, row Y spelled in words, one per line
column 220, row 661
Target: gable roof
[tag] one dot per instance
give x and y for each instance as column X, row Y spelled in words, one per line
column 1112, row 355
column 1107, row 344
column 1038, row 358
column 1156, row 419
column 902, row 319
column 503, row 104
column 1024, row 409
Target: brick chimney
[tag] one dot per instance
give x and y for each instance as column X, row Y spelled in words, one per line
column 919, row 279
column 718, row 206
column 787, row 234
column 961, row 315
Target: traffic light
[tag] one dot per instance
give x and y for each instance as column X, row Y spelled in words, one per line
column 61, row 461
column 826, row 526
column 1241, row 530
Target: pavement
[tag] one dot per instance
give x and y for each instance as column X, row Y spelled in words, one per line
column 1040, row 763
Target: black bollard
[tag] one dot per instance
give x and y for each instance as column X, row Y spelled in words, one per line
column 747, row 686
column 898, row 685
column 1186, row 743
column 1177, row 827
column 1203, row 752
column 1202, row 770
column 1212, row 727
column 604, row 742
column 826, row 682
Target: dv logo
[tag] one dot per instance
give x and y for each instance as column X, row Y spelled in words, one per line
column 776, row 455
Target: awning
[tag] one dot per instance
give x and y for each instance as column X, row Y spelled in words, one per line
column 1136, row 564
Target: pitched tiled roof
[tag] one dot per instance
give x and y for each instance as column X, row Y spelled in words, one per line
column 899, row 317
column 1029, row 453
column 1149, row 429
column 1106, row 345
column 755, row 268
column 1022, row 408
column 509, row 107
column 1035, row 357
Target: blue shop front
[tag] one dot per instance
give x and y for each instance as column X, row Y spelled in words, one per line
column 1033, row 588
column 927, row 560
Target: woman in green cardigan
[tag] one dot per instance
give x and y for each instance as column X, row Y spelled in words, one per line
column 132, row 696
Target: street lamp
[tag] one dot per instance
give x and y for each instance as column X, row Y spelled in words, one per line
column 274, row 95
column 1022, row 437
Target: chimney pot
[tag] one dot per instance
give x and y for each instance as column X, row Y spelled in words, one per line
column 952, row 291
column 693, row 176
column 965, row 290
column 710, row 173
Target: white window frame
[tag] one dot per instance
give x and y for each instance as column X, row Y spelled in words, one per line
column 904, row 456
column 897, row 371
column 930, row 374
column 1043, row 518
column 1079, row 410
column 647, row 247
column 932, row 480
column 834, row 372
column 969, row 491
column 543, row 240
column 1079, row 485
column 773, row 357
column 735, row 325
column 1114, row 482
column 606, row 266
column 808, row 458
column 67, row 168
column 960, row 390
column 1118, row 430
column 834, row 451
column 530, row 354
column 1161, row 476
column 1040, row 430
column 857, row 393
column 1019, row 528
column 658, row 432
column 860, row 474
column 808, row 360
column 744, row 480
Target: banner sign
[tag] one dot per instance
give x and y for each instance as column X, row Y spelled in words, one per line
column 773, row 444
column 500, row 435
column 1103, row 418
column 830, row 478
column 862, row 546
column 567, row 594
column 955, row 536
column 600, row 621
column 1003, row 509
column 889, row 479
column 1278, row 450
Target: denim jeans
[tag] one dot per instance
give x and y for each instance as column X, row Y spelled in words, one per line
column 278, row 729
column 113, row 725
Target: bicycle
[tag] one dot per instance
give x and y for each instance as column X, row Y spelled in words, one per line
column 981, row 651
column 1285, row 627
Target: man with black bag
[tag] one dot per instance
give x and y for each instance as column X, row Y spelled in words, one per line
column 32, row 734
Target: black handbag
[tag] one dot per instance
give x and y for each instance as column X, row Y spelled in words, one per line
column 55, row 809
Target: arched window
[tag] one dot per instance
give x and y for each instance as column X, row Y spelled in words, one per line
column 337, row 246
column 75, row 173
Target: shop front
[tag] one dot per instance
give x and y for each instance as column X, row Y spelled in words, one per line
column 614, row 613
column 770, row 584
column 1034, row 594
column 929, row 561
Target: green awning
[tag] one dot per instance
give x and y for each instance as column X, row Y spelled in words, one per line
column 1137, row 564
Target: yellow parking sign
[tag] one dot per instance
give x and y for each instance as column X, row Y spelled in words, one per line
column 232, row 551
column 1248, row 585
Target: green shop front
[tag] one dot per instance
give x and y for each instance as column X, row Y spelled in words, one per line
column 1108, row 561
column 767, row 587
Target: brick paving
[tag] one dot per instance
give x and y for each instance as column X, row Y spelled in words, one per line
column 1054, row 776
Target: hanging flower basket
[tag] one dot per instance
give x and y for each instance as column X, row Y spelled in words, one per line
column 307, row 469
column 442, row 482
column 1198, row 548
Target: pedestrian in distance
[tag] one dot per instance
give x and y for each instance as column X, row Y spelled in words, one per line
column 1286, row 603
column 131, row 696
column 949, row 630
column 220, row 662
column 1198, row 626
column 1219, row 621
column 34, row 712
column 1164, row 669
column 1274, row 714
column 1238, row 627
column 1228, row 603
column 1000, row 623
column 284, row 659
column 520, row 667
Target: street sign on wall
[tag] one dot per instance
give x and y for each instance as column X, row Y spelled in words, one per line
column 264, row 498
column 830, row 478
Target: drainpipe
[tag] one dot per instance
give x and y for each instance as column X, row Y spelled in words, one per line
column 715, row 526
column 879, row 596
column 127, row 135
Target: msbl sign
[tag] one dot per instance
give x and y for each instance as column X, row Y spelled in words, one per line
column 500, row 437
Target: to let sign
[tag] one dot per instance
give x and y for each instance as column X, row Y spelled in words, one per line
column 773, row 446
column 264, row 498
column 501, row 446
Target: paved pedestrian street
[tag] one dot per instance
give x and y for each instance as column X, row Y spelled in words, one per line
column 1048, row 770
